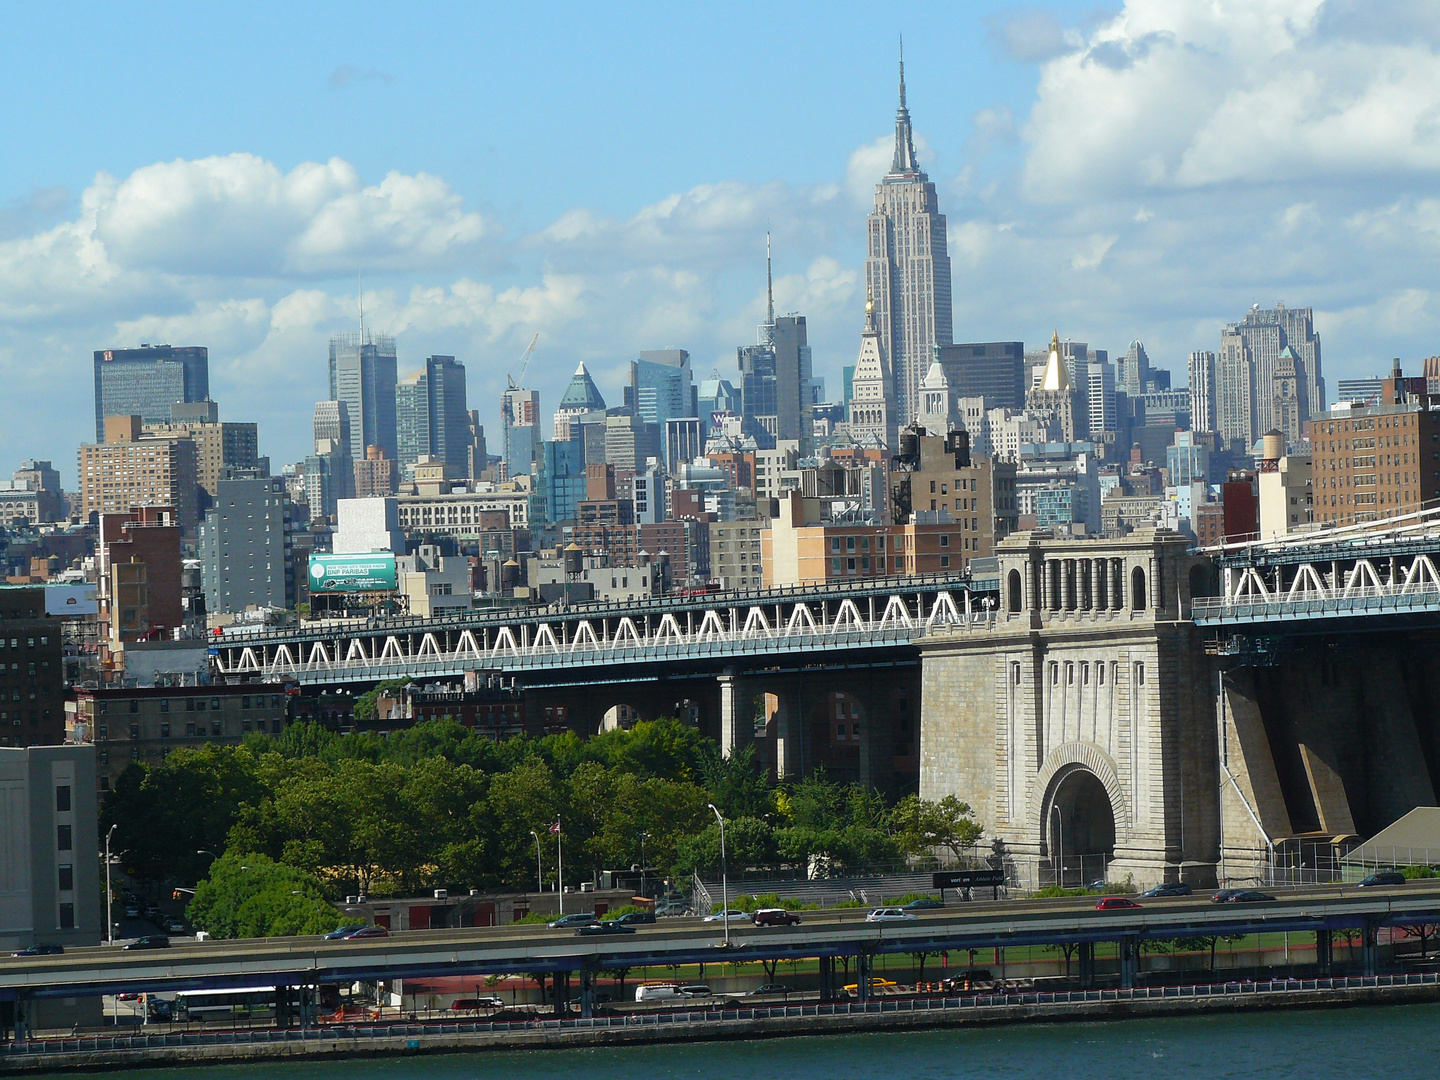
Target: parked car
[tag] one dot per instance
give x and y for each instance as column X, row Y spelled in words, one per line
column 768, row 990
column 775, row 916
column 658, row 992
column 149, row 941
column 924, row 903
column 175, row 925
column 729, row 915
column 569, row 922
column 343, row 931
column 476, row 1004
column 696, row 990
column 367, row 932
column 672, row 907
column 1249, row 896
column 40, row 949
column 1384, row 877
column 601, row 929
column 876, row 983
column 1224, row 896
column 889, row 914
column 1168, row 888
column 635, row 918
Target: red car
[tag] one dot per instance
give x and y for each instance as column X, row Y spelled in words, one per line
column 1112, row 903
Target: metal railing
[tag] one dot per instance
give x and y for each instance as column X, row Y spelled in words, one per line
column 701, row 1019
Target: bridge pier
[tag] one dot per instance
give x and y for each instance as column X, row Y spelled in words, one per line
column 1129, row 961
column 827, row 979
column 1324, row 952
column 1087, row 965
column 737, row 712
column 1370, row 948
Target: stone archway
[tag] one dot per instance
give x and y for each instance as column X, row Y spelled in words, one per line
column 1080, row 812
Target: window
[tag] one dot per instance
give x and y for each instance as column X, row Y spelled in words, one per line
column 215, row 704
column 62, row 838
column 104, row 782
column 200, row 705
column 214, row 727
column 944, row 539
column 102, row 732
column 62, row 798
column 245, row 702
column 67, row 916
column 164, row 704
column 190, row 728
column 944, row 561
column 165, row 731
column 67, row 877
column 134, row 705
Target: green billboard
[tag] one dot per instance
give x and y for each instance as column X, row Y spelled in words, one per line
column 352, row 573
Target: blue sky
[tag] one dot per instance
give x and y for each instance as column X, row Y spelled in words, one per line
column 220, row 176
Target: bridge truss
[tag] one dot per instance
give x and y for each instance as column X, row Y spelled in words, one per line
column 1380, row 568
column 715, row 627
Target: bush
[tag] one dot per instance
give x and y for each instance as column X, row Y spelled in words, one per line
column 1413, row 872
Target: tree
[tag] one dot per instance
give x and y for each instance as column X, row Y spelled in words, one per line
column 1423, row 932
column 251, row 895
column 367, row 704
column 920, row 825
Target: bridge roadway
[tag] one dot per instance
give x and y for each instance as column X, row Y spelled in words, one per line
column 520, row 949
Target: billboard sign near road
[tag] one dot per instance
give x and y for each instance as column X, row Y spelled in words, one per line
column 352, row 573
column 968, row 879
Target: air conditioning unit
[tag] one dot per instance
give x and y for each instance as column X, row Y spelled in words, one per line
column 441, row 894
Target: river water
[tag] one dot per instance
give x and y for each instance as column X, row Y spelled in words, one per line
column 1396, row 1043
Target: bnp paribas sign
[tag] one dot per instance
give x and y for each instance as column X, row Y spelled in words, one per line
column 352, row 573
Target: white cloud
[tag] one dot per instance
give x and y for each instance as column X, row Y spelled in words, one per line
column 1173, row 94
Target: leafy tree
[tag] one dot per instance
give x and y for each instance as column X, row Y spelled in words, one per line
column 251, row 895
column 920, row 825
column 367, row 704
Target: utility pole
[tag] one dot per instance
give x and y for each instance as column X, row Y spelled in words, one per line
column 109, row 924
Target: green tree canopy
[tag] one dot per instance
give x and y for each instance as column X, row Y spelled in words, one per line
column 251, row 895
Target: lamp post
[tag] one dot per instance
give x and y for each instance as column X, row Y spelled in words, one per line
column 539, row 875
column 724, row 878
column 1059, row 820
column 643, row 837
column 109, row 925
column 559, row 869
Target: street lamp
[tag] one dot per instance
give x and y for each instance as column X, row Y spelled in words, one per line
column 643, row 837
column 109, row 925
column 724, row 878
column 1059, row 820
column 539, row 878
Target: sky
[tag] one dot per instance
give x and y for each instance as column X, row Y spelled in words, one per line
column 233, row 176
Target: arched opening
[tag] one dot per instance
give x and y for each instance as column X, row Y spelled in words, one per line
column 621, row 717
column 1137, row 589
column 1016, row 590
column 1201, row 581
column 1079, row 829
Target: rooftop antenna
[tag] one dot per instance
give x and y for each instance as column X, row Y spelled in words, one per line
column 769, row 284
column 360, row 286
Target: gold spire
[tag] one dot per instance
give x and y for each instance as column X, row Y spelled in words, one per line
column 1057, row 376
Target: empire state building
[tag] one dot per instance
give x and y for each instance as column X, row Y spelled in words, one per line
column 907, row 271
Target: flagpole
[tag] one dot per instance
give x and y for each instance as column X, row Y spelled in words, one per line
column 559, row 869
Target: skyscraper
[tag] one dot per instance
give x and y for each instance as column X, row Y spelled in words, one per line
column 362, row 374
column 431, row 418
column 871, row 418
column 1260, row 338
column 1202, row 391
column 581, row 398
column 661, row 386
column 907, row 273
column 145, row 382
column 520, row 429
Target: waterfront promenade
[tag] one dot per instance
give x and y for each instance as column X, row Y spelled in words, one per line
column 724, row 1023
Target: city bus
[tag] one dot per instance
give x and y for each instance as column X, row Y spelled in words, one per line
column 245, row 1003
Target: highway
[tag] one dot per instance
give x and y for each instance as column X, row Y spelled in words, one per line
column 190, row 964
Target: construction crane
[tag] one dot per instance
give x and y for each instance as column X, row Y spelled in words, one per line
column 524, row 363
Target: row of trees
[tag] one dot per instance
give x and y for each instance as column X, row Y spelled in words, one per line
column 438, row 806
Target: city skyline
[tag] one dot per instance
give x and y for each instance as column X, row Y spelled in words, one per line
column 1062, row 211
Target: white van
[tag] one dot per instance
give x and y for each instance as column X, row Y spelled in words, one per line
column 658, row 992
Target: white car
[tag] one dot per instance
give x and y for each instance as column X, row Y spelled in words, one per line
column 890, row 914
column 729, row 915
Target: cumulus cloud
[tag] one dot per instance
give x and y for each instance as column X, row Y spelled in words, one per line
column 1170, row 94
column 1032, row 35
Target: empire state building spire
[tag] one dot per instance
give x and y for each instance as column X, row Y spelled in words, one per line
column 904, row 161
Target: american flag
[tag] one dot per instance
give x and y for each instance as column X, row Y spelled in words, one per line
column 555, row 828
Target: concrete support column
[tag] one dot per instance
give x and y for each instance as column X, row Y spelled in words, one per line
column 561, row 982
column 862, row 981
column 734, row 714
column 827, row 978
column 1087, row 964
column 587, row 990
column 1129, row 961
column 789, row 732
column 1370, row 948
column 1324, row 952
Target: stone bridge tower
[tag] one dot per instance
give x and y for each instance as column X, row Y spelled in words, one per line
column 1081, row 727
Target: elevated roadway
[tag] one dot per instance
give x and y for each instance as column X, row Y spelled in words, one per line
column 521, row 949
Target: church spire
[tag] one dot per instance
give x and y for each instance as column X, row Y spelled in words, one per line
column 904, row 160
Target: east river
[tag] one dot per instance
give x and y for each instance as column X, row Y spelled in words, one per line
column 1397, row 1043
